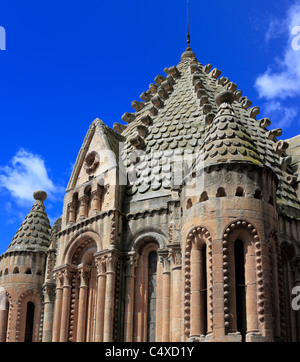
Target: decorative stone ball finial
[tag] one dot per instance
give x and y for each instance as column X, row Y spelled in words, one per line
column 40, row 195
column 224, row 97
column 188, row 53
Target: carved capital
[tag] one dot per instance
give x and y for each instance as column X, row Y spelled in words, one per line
column 59, row 278
column 48, row 290
column 101, row 266
column 84, row 200
column 67, row 276
column 164, row 258
column 111, row 261
column 175, row 254
column 130, row 264
column 83, row 275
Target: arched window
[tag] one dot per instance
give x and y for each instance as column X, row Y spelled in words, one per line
column 243, row 283
column 151, row 313
column 204, row 196
column 29, row 322
column 239, row 192
column 145, row 295
column 221, row 192
column 87, row 194
column 84, row 293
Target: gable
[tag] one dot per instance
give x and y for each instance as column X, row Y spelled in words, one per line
column 98, row 154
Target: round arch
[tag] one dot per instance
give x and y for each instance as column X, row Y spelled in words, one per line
column 254, row 279
column 79, row 241
column 143, row 236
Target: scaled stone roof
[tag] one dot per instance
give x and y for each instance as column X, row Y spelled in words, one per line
column 178, row 114
column 34, row 232
column 227, row 140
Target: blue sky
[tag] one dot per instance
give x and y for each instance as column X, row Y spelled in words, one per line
column 69, row 62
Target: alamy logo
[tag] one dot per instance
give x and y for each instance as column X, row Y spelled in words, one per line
column 296, row 40
column 296, row 300
column 2, row 38
column 2, row 299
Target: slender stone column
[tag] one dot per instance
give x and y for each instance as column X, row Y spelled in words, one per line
column 65, row 313
column 96, row 197
column 48, row 312
column 175, row 254
column 109, row 298
column 130, row 265
column 165, row 259
column 83, row 288
column 72, row 212
column 159, row 301
column 3, row 315
column 101, row 269
column 251, row 291
column 139, row 302
column 83, row 207
column 58, row 306
column 195, row 295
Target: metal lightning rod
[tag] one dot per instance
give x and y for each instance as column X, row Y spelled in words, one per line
column 188, row 38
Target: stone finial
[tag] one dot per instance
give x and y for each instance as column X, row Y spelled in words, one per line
column 146, row 96
column 254, row 112
column 207, row 68
column 40, row 195
column 285, row 162
column 280, row 147
column 138, row 106
column 128, row 117
column 194, row 68
column 157, row 101
column 215, row 73
column 172, row 71
column 159, row 79
column 137, row 141
column 146, row 120
column 274, row 133
column 245, row 102
column 198, row 84
column 231, row 86
column 224, row 97
column 264, row 122
column 118, row 127
column 188, row 54
column 142, row 130
column 153, row 88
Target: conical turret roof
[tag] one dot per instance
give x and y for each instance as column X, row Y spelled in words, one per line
column 227, row 140
column 179, row 114
column 34, row 232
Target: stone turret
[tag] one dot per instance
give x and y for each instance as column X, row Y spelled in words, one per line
column 22, row 269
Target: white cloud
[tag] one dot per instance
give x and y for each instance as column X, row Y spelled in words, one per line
column 25, row 173
column 282, row 79
column 282, row 116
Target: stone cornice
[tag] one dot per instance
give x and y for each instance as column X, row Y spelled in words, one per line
column 154, row 211
column 88, row 221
